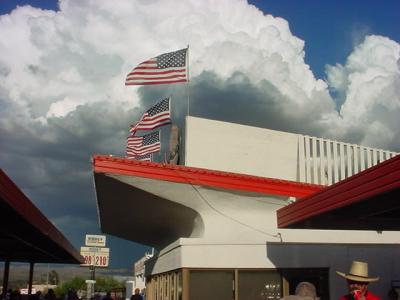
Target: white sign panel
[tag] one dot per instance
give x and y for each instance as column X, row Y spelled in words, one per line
column 95, row 256
column 95, row 240
column 101, row 259
column 25, row 291
column 95, row 249
column 88, row 256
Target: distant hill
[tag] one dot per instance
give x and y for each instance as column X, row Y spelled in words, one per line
column 19, row 273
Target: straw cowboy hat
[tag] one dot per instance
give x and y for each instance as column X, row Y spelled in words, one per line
column 358, row 272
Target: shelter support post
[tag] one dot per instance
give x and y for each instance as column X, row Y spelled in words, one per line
column 5, row 277
column 185, row 284
column 30, row 277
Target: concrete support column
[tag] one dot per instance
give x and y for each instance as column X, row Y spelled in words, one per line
column 90, row 289
column 185, row 284
column 5, row 277
column 30, row 277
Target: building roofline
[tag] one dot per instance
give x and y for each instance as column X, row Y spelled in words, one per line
column 204, row 177
column 16, row 200
column 372, row 182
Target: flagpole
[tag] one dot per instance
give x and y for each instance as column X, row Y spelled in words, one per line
column 187, row 85
column 183, row 152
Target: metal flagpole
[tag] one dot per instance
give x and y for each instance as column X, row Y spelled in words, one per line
column 183, row 151
column 187, row 85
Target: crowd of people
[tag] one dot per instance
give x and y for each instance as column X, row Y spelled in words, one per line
column 50, row 295
column 16, row 295
column 357, row 280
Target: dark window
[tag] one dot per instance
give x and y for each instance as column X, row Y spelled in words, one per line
column 211, row 285
column 317, row 276
column 259, row 285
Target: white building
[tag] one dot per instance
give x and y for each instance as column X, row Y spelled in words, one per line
column 139, row 270
column 213, row 219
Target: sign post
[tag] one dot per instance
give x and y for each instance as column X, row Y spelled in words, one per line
column 96, row 255
column 90, row 288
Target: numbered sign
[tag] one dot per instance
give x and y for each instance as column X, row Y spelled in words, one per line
column 95, row 256
column 101, row 260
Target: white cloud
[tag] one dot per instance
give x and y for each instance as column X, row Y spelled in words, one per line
column 370, row 83
column 53, row 62
column 84, row 48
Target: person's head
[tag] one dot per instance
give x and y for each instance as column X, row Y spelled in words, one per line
column 306, row 289
column 357, row 278
column 357, row 285
column 137, row 291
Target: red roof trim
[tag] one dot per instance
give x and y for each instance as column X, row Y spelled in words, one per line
column 198, row 176
column 16, row 199
column 371, row 182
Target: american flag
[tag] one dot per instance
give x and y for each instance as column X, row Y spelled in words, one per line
column 158, row 115
column 163, row 69
column 146, row 157
column 141, row 145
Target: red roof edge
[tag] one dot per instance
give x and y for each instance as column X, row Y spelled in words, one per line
column 19, row 202
column 199, row 176
column 378, row 179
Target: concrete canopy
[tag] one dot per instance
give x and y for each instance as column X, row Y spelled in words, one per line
column 369, row 200
column 26, row 235
column 155, row 204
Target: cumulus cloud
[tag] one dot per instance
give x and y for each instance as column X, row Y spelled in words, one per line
column 62, row 93
column 369, row 83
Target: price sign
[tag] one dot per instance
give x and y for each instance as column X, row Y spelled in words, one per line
column 88, row 256
column 95, row 256
column 101, row 259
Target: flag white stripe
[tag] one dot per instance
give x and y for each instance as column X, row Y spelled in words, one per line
column 142, row 152
column 143, row 147
column 157, row 72
column 133, row 80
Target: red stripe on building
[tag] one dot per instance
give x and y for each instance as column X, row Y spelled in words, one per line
column 205, row 177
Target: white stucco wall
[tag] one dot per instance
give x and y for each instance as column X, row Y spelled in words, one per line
column 223, row 146
column 241, row 149
column 198, row 253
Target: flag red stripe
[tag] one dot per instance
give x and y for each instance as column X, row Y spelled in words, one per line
column 154, row 82
column 153, row 127
column 158, row 78
column 141, row 148
column 156, row 73
column 150, row 121
column 129, row 144
column 143, row 152
column 152, row 124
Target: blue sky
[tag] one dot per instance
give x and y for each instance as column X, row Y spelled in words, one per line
column 331, row 29
column 58, row 106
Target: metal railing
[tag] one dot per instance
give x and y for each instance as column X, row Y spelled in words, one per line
column 326, row 162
